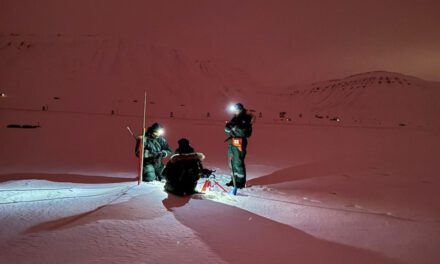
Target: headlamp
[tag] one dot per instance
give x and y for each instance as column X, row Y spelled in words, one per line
column 232, row 108
column 160, row 131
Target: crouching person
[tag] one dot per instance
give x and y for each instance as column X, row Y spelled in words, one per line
column 183, row 170
column 156, row 149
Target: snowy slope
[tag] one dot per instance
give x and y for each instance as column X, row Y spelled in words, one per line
column 380, row 99
column 103, row 74
column 92, row 73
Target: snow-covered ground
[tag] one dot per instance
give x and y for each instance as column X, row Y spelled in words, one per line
column 82, row 223
column 46, row 222
column 318, row 194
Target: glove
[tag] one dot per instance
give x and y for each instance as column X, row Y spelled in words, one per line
column 160, row 154
column 229, row 127
column 155, row 155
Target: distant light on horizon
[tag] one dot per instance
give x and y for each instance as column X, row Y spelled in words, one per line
column 3, row 95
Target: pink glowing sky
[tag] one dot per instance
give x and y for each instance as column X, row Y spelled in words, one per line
column 278, row 42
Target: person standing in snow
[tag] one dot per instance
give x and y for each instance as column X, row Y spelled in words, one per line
column 155, row 148
column 238, row 129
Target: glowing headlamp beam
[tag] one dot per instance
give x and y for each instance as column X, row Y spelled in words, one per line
column 160, row 131
column 232, row 108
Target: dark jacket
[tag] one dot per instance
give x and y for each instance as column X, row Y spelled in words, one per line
column 182, row 173
column 155, row 149
column 239, row 126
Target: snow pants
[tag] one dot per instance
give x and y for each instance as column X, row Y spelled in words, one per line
column 236, row 164
column 151, row 172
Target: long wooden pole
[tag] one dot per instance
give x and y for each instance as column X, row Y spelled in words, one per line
column 141, row 169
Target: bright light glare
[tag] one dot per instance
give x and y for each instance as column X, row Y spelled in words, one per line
column 232, row 108
column 161, row 132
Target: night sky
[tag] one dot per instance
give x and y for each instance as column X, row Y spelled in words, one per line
column 277, row 42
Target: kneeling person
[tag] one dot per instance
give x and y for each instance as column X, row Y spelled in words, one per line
column 183, row 170
column 156, row 149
